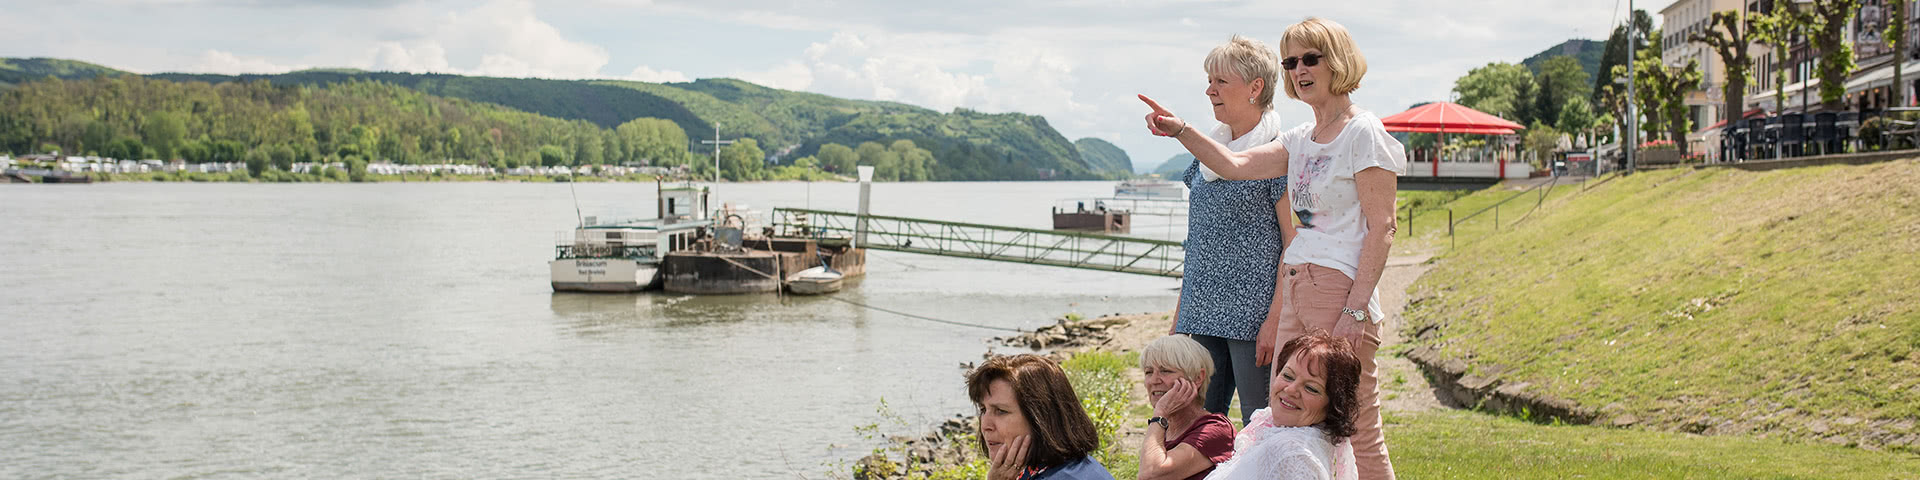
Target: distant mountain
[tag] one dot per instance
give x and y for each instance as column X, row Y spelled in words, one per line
column 1174, row 167
column 1588, row 52
column 967, row 145
column 14, row 71
column 1101, row 156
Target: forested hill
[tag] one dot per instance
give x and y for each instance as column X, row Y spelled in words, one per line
column 14, row 71
column 1102, row 156
column 786, row 125
column 131, row 117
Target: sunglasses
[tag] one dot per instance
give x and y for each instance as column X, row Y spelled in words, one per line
column 1310, row 59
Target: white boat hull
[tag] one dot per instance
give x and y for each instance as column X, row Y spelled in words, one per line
column 815, row 281
column 814, row 286
column 602, row 275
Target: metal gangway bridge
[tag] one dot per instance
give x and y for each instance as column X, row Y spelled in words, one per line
column 987, row 242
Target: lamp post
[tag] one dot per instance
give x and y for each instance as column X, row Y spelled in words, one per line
column 1632, row 125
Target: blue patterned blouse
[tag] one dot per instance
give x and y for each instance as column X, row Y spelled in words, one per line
column 1233, row 254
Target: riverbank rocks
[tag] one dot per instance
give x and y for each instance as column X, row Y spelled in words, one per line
column 951, row 443
column 1066, row 333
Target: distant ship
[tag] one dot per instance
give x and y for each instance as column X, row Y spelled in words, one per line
column 1151, row 189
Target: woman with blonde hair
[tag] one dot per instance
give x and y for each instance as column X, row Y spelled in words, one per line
column 1235, row 228
column 1344, row 171
column 1183, row 440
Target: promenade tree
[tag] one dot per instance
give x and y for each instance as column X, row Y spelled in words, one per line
column 1561, row 79
column 1615, row 55
column 1897, row 30
column 1502, row 89
column 1775, row 29
column 1660, row 91
column 1729, row 33
column 1826, row 27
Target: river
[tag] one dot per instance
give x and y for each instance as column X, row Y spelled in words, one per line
column 160, row 330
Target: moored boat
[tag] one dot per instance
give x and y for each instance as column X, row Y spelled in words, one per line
column 815, row 281
column 625, row 256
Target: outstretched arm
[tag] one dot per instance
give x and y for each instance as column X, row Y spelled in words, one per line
column 1259, row 163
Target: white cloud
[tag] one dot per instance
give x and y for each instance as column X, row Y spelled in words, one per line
column 215, row 61
column 422, row 57
column 791, row 75
column 644, row 73
column 503, row 38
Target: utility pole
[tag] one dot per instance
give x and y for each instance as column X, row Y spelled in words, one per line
column 716, row 150
column 1633, row 127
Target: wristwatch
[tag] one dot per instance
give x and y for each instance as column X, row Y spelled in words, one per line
column 1164, row 424
column 1358, row 315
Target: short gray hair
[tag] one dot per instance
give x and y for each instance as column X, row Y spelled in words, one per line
column 1249, row 59
column 1183, row 355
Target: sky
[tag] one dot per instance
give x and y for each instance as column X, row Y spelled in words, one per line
column 1079, row 63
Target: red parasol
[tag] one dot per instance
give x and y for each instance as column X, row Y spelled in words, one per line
column 1448, row 117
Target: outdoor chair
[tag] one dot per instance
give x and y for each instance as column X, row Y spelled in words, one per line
column 1823, row 134
column 1900, row 134
column 1847, row 127
column 1772, row 135
column 1756, row 138
column 1733, row 141
column 1792, row 134
column 1750, row 139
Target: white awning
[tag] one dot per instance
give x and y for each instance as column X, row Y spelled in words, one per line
column 1882, row 76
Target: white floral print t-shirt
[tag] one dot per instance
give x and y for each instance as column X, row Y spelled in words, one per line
column 1324, row 194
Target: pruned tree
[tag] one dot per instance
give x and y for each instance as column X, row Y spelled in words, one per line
column 1825, row 23
column 1729, row 33
column 1775, row 30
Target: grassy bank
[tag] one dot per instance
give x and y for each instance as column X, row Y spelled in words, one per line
column 1778, row 304
column 1473, row 211
column 1457, row 444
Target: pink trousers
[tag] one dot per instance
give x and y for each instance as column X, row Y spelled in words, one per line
column 1314, row 296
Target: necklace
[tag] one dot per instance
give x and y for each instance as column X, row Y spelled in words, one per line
column 1341, row 120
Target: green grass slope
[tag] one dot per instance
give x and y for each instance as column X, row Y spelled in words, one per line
column 1452, row 444
column 1782, row 303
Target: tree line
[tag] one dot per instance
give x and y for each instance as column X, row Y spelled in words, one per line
column 132, row 117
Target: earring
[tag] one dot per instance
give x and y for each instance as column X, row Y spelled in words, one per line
column 1250, row 100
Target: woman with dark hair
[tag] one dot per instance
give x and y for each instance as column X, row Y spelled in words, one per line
column 1302, row 433
column 1032, row 426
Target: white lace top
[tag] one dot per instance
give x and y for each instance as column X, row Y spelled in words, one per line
column 1265, row 451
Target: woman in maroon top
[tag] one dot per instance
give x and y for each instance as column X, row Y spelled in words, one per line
column 1184, row 441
